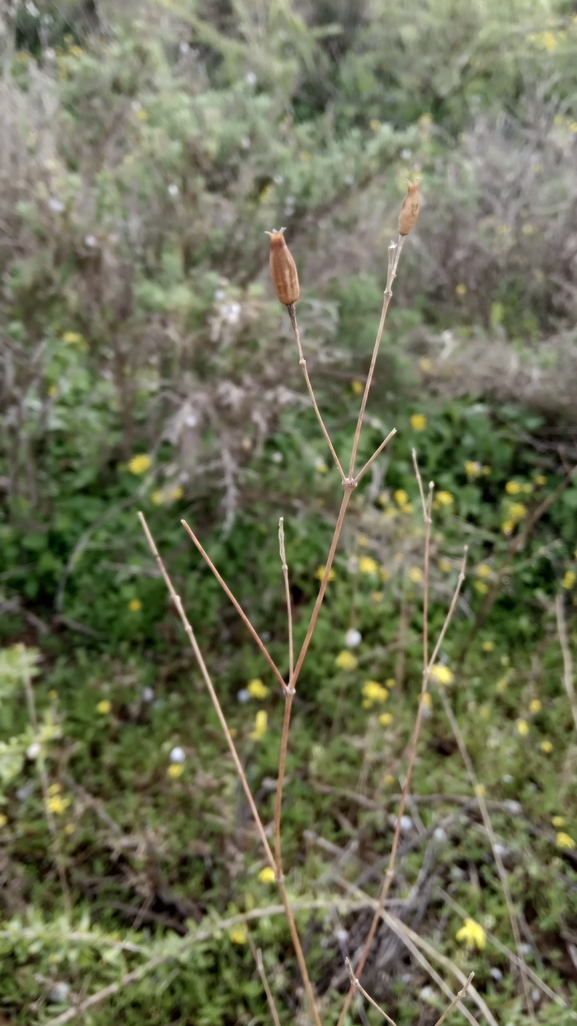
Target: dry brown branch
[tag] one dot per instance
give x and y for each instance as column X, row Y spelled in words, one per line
column 388, row 879
column 478, row 790
column 288, row 595
column 239, row 768
column 355, row 983
column 566, row 652
column 257, row 955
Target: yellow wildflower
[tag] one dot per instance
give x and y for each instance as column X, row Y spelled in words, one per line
column 368, row 565
column 142, row 115
column 390, row 683
column 401, row 497
column 73, row 338
column 260, row 725
column 374, row 124
column 373, row 692
column 565, row 841
column 385, row 719
column 473, row 468
column 461, row 290
column 569, row 579
column 415, row 574
column 418, row 422
column 444, row 499
column 175, row 770
column 69, row 828
column 535, row 705
column 508, row 527
column 266, row 875
column 540, row 480
column 483, row 570
column 522, row 728
column 104, row 707
column 57, row 804
column 488, row 646
column 558, row 822
column 427, row 700
column 135, row 605
column 54, row 789
column 3, row 820
column 502, row 683
column 377, row 596
column 517, row 511
column 321, row 467
column 389, row 779
column 480, row 790
column 140, row 464
column 512, row 487
column 346, row 661
column 320, row 573
column 357, row 387
column 441, row 674
column 444, row 565
column 472, row 934
column 53, row 695
column 481, row 587
column 426, row 365
column 546, row 747
column 256, row 688
column 238, row 934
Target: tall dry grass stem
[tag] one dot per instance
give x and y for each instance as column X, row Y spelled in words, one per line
column 566, row 653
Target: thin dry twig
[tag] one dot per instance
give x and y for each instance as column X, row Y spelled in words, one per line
column 236, row 605
column 388, row 879
column 566, row 653
column 478, row 789
column 456, row 1000
column 289, row 613
column 239, row 768
column 257, row 955
column 355, row 983
column 52, row 828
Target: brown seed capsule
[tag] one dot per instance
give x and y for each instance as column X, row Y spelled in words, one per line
column 283, row 269
column 410, row 209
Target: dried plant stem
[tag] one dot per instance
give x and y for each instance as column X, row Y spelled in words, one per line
column 257, row 955
column 280, row 780
column 388, row 879
column 52, row 828
column 239, row 768
column 375, row 455
column 302, row 362
column 478, row 789
column 456, row 999
column 236, row 605
column 394, row 254
column 288, row 595
column 427, row 509
column 566, row 652
column 355, row 983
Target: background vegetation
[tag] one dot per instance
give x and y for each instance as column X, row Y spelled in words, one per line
column 146, row 365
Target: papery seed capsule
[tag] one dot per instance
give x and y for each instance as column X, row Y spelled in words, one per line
column 410, row 209
column 283, row 269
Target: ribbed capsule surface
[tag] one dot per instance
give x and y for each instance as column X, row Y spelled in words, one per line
column 283, row 269
column 410, row 209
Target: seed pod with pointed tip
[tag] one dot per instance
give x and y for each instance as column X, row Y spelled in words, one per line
column 283, row 269
column 410, row 209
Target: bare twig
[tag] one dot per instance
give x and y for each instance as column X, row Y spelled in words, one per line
column 479, row 792
column 566, row 652
column 239, row 768
column 52, row 828
column 288, row 595
column 355, row 983
column 302, row 362
column 236, row 605
column 388, row 879
column 375, row 455
column 455, row 1000
column 257, row 955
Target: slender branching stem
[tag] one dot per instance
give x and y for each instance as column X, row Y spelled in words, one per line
column 237, row 606
column 288, row 596
column 456, row 999
column 355, row 983
column 388, row 879
column 394, row 254
column 52, row 828
column 257, row 955
column 280, row 779
column 302, row 362
column 375, row 455
column 239, row 768
column 566, row 653
column 479, row 791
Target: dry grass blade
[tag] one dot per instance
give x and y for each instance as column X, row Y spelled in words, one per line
column 239, row 768
column 566, row 653
column 236, row 605
column 355, row 983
